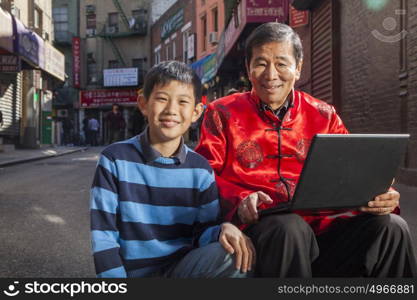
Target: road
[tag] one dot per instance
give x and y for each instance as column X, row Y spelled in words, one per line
column 44, row 224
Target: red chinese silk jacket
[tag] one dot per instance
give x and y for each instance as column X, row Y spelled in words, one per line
column 251, row 150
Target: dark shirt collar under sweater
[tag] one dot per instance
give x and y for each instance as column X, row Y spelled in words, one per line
column 150, row 154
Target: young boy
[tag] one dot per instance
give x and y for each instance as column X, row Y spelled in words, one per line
column 154, row 202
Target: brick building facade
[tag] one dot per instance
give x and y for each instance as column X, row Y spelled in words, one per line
column 361, row 57
column 173, row 35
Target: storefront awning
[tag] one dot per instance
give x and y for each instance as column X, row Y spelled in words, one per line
column 206, row 68
column 37, row 52
column 28, row 44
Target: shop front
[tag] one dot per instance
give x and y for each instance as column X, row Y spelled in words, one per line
column 43, row 67
column 98, row 103
column 10, row 83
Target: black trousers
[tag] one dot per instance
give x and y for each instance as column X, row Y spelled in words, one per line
column 361, row 246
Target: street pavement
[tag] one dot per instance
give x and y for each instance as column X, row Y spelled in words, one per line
column 44, row 227
column 19, row 156
column 45, row 223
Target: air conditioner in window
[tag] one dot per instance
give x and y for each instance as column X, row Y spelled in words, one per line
column 111, row 29
column 91, row 32
column 90, row 9
column 213, row 37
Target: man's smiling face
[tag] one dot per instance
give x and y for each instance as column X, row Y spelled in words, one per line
column 273, row 71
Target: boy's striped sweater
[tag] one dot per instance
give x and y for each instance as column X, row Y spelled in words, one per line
column 148, row 211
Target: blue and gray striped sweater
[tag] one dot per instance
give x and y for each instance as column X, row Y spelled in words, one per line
column 148, row 211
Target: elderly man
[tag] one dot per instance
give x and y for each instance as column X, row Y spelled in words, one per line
column 257, row 142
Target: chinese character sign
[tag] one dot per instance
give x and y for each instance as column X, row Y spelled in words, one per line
column 76, row 53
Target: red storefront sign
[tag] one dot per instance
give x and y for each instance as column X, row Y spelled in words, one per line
column 76, row 66
column 261, row 11
column 97, row 98
column 298, row 18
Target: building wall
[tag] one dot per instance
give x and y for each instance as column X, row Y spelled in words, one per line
column 379, row 71
column 304, row 83
column 410, row 99
column 177, row 37
column 369, row 69
column 205, row 8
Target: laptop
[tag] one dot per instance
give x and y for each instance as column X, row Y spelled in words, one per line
column 344, row 171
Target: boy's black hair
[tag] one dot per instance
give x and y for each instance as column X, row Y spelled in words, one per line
column 167, row 71
column 273, row 32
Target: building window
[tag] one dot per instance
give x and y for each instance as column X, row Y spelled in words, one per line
column 185, row 35
column 204, row 32
column 114, row 64
column 139, row 19
column 139, row 14
column 157, row 56
column 91, row 21
column 91, row 69
column 167, row 49
column 215, row 14
column 113, row 22
column 60, row 16
column 37, row 18
column 174, row 49
column 140, row 64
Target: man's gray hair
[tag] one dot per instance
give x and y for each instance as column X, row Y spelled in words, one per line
column 273, row 32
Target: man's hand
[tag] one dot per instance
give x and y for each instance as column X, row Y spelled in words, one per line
column 382, row 204
column 236, row 242
column 248, row 208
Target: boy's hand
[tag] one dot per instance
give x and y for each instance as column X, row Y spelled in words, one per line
column 383, row 204
column 236, row 242
column 248, row 207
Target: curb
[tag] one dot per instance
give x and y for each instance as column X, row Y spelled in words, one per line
column 25, row 160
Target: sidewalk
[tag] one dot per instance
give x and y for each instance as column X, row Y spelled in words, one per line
column 26, row 155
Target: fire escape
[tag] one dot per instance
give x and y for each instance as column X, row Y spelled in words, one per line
column 135, row 25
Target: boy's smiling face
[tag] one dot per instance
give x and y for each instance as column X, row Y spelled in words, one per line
column 170, row 110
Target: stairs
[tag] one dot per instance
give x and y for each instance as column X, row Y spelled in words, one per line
column 122, row 13
column 116, row 50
